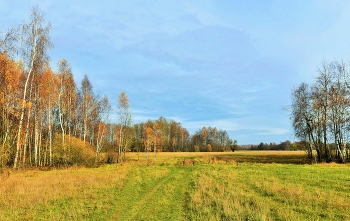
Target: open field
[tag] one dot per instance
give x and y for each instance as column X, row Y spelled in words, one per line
column 220, row 186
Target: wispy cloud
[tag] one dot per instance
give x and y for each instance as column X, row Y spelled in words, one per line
column 228, row 64
column 231, row 125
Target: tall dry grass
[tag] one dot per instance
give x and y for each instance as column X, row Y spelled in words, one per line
column 22, row 192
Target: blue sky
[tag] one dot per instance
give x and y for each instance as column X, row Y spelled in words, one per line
column 228, row 64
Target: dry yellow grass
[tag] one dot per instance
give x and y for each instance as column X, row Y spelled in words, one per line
column 22, row 191
column 254, row 156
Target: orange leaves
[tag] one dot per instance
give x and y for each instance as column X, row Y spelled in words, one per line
column 173, row 141
column 209, row 148
column 148, row 137
column 152, row 136
column 123, row 101
column 28, row 104
column 205, row 133
column 47, row 82
column 9, row 73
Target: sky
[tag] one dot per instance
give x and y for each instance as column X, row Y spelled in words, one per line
column 221, row 63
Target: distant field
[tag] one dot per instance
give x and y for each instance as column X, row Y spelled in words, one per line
column 220, row 186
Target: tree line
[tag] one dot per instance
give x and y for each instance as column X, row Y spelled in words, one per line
column 320, row 113
column 285, row 145
column 46, row 119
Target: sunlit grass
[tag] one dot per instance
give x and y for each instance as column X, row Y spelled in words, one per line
column 34, row 194
column 220, row 186
column 270, row 192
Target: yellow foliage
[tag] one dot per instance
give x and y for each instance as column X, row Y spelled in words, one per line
column 209, row 148
column 10, row 74
column 73, row 152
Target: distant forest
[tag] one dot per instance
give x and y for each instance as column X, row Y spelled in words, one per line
column 46, row 119
column 286, row 145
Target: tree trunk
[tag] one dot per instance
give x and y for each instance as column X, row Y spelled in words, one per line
column 19, row 134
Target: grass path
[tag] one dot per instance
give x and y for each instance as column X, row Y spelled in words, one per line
column 130, row 192
column 153, row 194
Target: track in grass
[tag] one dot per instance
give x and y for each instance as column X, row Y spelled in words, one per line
column 153, row 194
column 216, row 188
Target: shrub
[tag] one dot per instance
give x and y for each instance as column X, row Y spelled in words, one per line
column 73, row 152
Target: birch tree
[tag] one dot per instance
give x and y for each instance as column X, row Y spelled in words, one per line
column 49, row 89
column 8, row 42
column 102, row 131
column 35, row 44
column 157, row 139
column 124, row 116
column 86, row 105
column 66, row 103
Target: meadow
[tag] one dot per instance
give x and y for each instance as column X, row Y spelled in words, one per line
column 244, row 185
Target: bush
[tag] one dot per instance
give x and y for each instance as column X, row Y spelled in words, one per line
column 73, row 152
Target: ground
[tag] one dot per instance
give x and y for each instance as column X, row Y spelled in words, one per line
column 244, row 185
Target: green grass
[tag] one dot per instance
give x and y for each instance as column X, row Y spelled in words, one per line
column 271, row 192
column 215, row 188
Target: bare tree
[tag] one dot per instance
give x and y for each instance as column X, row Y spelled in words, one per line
column 337, row 104
column 302, row 116
column 320, row 115
column 323, row 83
column 8, row 42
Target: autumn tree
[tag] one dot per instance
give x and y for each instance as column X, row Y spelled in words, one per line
column 184, row 136
column 66, row 102
column 205, row 136
column 40, row 116
column 202, row 138
column 124, row 116
column 49, row 98
column 148, row 140
column 87, row 106
column 104, row 109
column 174, row 134
column 157, row 139
column 10, row 89
column 35, row 44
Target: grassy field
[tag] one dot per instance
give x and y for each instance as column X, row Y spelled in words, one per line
column 245, row 185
